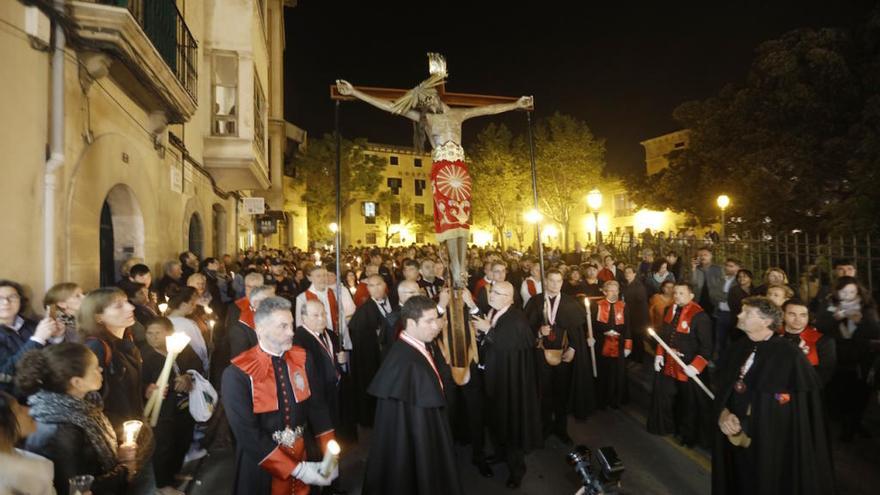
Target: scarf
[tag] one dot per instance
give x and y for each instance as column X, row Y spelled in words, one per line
column 86, row 414
column 847, row 327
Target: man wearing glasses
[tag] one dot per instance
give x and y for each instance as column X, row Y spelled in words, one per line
column 507, row 359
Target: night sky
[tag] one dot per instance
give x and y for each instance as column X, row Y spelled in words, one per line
column 621, row 68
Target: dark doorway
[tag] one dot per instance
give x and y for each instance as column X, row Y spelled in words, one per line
column 107, row 263
column 195, row 235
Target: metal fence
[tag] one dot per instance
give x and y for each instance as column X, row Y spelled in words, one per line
column 802, row 256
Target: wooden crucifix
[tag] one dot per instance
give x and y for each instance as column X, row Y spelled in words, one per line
column 438, row 115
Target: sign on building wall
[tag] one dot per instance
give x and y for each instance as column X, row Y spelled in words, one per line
column 254, row 206
column 176, row 176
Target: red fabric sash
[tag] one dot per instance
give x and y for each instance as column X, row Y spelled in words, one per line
column 670, row 366
column 478, row 286
column 532, row 288
column 687, row 314
column 810, row 336
column 605, row 311
column 361, row 295
column 331, row 300
column 258, row 365
column 247, row 314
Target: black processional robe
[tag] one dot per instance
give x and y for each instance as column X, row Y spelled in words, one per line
column 571, row 321
column 372, row 334
column 411, row 450
column 510, row 379
column 263, row 394
column 781, row 411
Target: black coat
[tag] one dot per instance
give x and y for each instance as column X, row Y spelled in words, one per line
column 636, row 297
column 789, row 453
column 253, row 431
column 241, row 338
column 571, row 320
column 72, row 454
column 122, row 364
column 326, row 374
column 508, row 355
column 372, row 335
column 13, row 345
column 412, row 449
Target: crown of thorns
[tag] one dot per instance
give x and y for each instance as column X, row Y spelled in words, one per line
column 438, row 73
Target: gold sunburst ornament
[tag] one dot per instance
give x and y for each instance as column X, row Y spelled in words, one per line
column 454, row 183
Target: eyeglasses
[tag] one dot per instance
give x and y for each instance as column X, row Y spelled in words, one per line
column 10, row 299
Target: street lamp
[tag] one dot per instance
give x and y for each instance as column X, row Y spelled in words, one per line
column 594, row 201
column 723, row 202
column 334, row 228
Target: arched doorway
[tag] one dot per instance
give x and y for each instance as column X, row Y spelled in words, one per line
column 108, row 268
column 219, row 232
column 196, row 235
column 121, row 232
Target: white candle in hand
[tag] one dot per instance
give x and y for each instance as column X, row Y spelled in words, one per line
column 331, row 458
column 174, row 344
column 131, row 430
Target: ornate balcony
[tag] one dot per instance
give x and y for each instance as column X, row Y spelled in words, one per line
column 156, row 49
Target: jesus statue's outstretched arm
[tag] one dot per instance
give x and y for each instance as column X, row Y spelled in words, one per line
column 523, row 102
column 346, row 88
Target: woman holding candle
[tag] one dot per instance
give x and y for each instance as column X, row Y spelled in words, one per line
column 72, row 431
column 180, row 311
column 104, row 319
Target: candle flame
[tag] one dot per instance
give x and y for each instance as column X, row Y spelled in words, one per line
column 176, row 342
column 131, row 429
column 651, row 332
column 333, row 447
column 163, row 307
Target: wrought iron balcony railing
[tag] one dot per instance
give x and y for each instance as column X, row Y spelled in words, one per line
column 166, row 28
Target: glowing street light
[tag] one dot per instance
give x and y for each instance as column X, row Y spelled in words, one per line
column 594, row 201
column 334, row 228
column 533, row 216
column 723, row 202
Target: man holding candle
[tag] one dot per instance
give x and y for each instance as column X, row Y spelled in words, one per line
column 268, row 402
column 412, row 451
column 558, row 321
column 614, row 345
column 677, row 404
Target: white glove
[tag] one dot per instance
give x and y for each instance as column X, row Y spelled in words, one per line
column 308, row 473
column 627, row 352
column 690, row 371
column 591, row 341
column 612, row 333
column 658, row 363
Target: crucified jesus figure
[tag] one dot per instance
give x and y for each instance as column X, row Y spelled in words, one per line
column 450, row 180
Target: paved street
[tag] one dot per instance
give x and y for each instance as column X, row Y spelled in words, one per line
column 654, row 465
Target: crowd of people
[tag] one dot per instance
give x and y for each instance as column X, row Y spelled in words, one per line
column 299, row 361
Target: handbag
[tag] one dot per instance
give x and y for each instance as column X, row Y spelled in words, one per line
column 554, row 356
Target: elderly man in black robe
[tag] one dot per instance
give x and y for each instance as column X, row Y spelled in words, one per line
column 269, row 400
column 508, row 358
column 412, row 450
column 771, row 435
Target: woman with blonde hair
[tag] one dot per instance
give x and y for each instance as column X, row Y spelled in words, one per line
column 63, row 301
column 773, row 276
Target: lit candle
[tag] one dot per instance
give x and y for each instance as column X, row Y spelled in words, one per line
column 174, row 344
column 331, row 458
column 211, row 324
column 131, row 430
column 163, row 307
